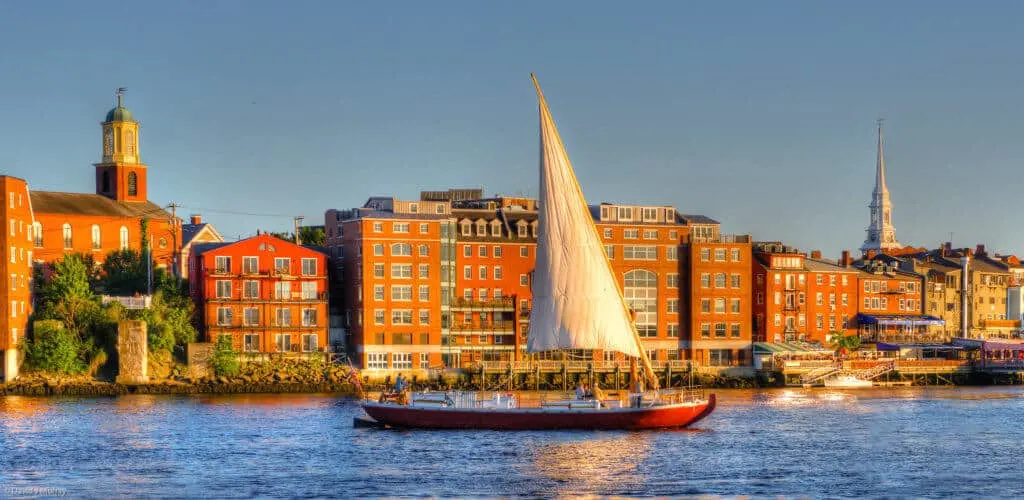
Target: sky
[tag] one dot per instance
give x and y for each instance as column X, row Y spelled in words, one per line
column 758, row 114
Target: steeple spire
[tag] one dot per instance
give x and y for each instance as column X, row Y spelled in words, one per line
column 881, row 233
column 880, row 164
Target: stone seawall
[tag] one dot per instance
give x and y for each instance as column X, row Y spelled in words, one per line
column 100, row 389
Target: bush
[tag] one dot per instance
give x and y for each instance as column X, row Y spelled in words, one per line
column 225, row 360
column 53, row 349
column 161, row 338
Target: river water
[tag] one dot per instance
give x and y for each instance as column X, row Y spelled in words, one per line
column 936, row 442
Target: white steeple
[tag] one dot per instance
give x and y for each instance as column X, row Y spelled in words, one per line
column 881, row 234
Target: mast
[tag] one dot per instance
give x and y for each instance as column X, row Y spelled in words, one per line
column 591, row 228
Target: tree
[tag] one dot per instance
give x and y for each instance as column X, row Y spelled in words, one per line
column 124, row 273
column 842, row 341
column 225, row 360
column 313, row 235
column 53, row 349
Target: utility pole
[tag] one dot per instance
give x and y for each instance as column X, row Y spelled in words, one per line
column 175, row 254
column 298, row 220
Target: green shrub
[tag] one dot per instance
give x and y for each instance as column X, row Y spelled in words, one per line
column 53, row 348
column 225, row 359
column 161, row 338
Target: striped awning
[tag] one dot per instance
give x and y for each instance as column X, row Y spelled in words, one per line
column 787, row 347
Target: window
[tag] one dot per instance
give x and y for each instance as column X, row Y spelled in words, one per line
column 482, row 294
column 252, row 342
column 609, row 250
column 524, row 251
column 222, row 264
column 650, row 234
column 467, row 272
column 672, row 253
column 37, row 234
column 308, row 267
column 497, row 272
column 719, row 255
column 400, row 227
column 424, row 293
column 640, row 252
column 819, row 279
column 844, row 281
column 497, row 293
column 378, row 249
column 224, row 316
column 401, row 317
column 401, row 271
column 735, row 280
column 95, row 235
column 778, row 320
column 282, row 290
column 309, row 342
column 378, row 293
column 283, row 265
column 378, row 316
column 401, row 360
column 673, row 305
column 734, row 330
column 734, row 254
column 467, row 251
column 705, row 255
column 630, row 234
column 424, row 228
column 607, row 233
column 672, row 280
column 465, row 228
column 377, row 360
column 223, row 289
column 401, row 250
column 378, row 270
column 67, row 235
column 250, row 289
column 250, row 265
column 283, row 316
column 673, row 330
column 424, row 359
column 523, row 280
column 705, row 280
column 424, row 316
column 133, row 184
column 705, row 305
column 521, row 229
column 424, row 271
column 423, row 250
column 734, row 306
column 309, row 317
column 482, row 251
column 123, row 235
column 705, row 330
column 481, row 228
column 283, row 342
column 719, row 305
column 641, row 293
column 483, row 271
column 625, row 213
column 497, row 251
column 650, row 214
column 720, row 280
column 401, row 293
column 309, row 291
column 720, row 330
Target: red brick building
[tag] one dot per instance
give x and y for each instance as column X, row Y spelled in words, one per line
column 16, row 267
column 718, row 299
column 267, row 294
column 891, row 303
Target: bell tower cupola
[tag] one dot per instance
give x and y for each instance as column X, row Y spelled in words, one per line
column 120, row 174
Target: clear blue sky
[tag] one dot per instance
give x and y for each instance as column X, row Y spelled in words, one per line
column 759, row 114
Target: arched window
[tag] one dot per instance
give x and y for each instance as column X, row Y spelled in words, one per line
column 133, row 184
column 130, row 142
column 106, row 182
column 378, row 249
column 424, row 250
column 641, row 293
column 37, row 234
column 401, row 250
column 124, row 238
column 96, row 243
column 67, row 235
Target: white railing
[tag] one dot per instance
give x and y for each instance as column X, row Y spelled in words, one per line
column 139, row 302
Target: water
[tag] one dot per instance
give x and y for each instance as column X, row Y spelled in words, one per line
column 819, row 443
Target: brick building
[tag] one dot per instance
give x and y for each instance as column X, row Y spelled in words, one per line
column 719, row 299
column 269, row 295
column 394, row 270
column 16, row 267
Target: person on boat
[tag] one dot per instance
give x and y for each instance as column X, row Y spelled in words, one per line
column 580, row 391
column 399, row 384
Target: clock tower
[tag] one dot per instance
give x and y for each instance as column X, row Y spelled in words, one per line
column 120, row 174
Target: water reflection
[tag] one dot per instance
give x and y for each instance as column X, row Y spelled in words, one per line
column 590, row 461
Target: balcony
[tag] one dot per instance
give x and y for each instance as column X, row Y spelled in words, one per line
column 295, row 297
column 504, row 303
column 490, row 326
column 140, row 302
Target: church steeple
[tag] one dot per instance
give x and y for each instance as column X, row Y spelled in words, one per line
column 120, row 174
column 881, row 233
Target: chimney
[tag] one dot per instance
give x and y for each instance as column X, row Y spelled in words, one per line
column 815, row 254
column 871, row 254
column 947, row 248
column 197, row 219
column 968, row 252
column 980, row 250
column 845, row 259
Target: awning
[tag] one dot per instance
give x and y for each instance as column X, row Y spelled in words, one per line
column 901, row 320
column 788, row 348
column 882, row 346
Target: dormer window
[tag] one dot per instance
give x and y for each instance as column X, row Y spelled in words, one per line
column 414, row 208
column 625, row 214
column 604, row 213
column 465, row 228
column 650, row 214
column 481, row 228
column 495, row 229
column 521, row 229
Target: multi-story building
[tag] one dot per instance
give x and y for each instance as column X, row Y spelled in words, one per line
column 15, row 294
column 496, row 243
column 116, row 215
column 942, row 290
column 718, row 299
column 394, row 261
column 892, row 303
column 267, row 294
column 194, row 233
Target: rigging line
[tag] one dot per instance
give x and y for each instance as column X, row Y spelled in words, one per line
column 234, row 212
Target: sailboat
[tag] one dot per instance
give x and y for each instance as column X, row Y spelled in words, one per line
column 577, row 304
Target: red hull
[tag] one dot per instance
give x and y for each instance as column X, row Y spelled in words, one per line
column 658, row 417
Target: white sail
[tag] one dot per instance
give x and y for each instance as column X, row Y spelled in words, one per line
column 577, row 303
